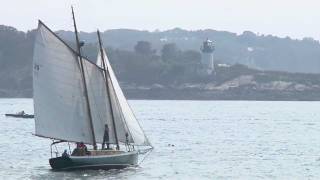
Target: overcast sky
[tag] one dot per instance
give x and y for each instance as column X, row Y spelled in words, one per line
column 295, row 18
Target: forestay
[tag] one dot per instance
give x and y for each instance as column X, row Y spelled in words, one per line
column 124, row 112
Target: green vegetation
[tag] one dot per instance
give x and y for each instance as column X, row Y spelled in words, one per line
column 171, row 59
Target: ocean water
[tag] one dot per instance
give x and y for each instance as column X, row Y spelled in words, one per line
column 192, row 140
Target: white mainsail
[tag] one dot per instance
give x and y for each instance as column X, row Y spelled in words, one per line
column 59, row 103
column 59, row 100
column 125, row 113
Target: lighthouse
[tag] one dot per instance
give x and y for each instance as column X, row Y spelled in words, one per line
column 207, row 65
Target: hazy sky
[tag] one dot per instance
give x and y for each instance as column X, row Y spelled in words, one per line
column 295, row 18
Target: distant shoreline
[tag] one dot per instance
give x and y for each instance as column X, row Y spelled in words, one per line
column 191, row 95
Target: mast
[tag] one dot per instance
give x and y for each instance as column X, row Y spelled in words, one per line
column 106, row 72
column 84, row 82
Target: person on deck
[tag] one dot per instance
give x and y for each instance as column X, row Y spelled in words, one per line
column 21, row 113
column 83, row 149
column 65, row 153
column 80, row 150
column 106, row 137
column 82, row 145
column 76, row 151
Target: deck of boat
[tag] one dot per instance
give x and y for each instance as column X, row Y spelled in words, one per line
column 82, row 152
column 104, row 152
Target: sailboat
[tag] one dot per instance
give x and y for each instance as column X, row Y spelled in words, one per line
column 78, row 101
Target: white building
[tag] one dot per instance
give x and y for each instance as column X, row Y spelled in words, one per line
column 207, row 63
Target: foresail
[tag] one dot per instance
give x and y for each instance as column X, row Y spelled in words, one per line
column 125, row 113
column 59, row 102
column 99, row 103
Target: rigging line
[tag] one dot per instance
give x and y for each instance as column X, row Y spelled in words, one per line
column 146, row 155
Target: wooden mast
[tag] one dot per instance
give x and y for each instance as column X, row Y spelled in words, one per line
column 106, row 72
column 84, row 82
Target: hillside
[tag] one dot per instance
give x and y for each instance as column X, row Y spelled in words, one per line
column 265, row 52
column 163, row 65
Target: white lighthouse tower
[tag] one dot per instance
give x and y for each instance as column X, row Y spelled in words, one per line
column 207, row 65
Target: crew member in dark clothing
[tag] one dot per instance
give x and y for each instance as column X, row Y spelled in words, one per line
column 65, row 153
column 106, row 137
column 127, row 141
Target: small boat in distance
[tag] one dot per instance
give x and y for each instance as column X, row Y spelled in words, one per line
column 77, row 101
column 20, row 114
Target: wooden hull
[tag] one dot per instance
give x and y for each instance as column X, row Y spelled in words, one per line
column 21, row 116
column 116, row 161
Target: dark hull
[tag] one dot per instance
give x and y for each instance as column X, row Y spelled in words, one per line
column 106, row 162
column 20, row 116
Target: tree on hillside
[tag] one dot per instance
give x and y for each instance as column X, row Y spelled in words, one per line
column 169, row 52
column 191, row 57
column 143, row 47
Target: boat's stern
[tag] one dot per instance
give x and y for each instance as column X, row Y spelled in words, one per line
column 60, row 163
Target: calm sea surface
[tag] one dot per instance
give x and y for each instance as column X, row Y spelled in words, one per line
column 212, row 140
